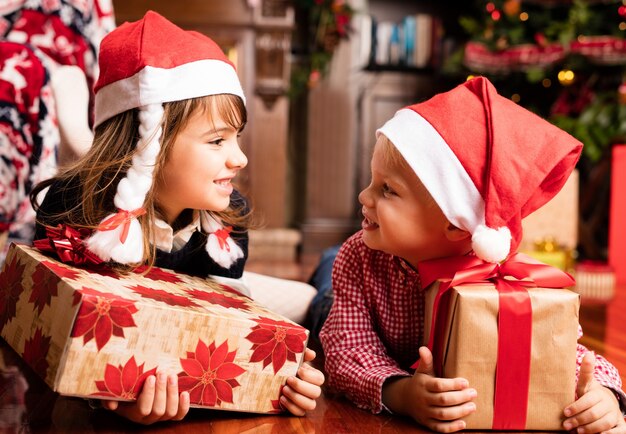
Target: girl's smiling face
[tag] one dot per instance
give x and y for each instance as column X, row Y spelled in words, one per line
column 203, row 160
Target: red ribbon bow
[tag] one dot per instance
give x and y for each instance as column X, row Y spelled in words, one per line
column 122, row 217
column 222, row 236
column 67, row 243
column 514, row 321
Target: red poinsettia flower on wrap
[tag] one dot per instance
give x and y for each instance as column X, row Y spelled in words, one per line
column 11, row 288
column 276, row 342
column 276, row 407
column 123, row 381
column 102, row 315
column 35, row 352
column 163, row 296
column 219, row 299
column 156, row 273
column 45, row 282
column 209, row 374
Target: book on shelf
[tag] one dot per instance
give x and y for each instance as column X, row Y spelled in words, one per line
column 414, row 42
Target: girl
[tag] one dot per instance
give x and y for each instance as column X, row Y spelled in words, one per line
column 156, row 186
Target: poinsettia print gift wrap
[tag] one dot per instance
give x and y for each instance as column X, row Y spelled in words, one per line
column 98, row 334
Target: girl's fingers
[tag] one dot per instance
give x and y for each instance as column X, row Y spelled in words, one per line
column 305, row 388
column 309, row 355
column 439, row 385
column 110, row 405
column 160, row 396
column 587, row 418
column 311, row 375
column 183, row 406
column 146, row 397
column 304, row 403
column 173, row 400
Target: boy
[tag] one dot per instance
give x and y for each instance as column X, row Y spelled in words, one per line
column 451, row 176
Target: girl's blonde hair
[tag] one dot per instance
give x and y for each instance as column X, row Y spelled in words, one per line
column 110, row 157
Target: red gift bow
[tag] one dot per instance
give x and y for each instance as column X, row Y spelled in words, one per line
column 67, row 243
column 514, row 321
column 222, row 235
column 122, row 217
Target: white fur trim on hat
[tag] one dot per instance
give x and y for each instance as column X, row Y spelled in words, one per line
column 153, row 85
column 437, row 167
column 131, row 193
column 491, row 245
column 223, row 250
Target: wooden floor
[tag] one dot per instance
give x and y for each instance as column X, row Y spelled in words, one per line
column 41, row 411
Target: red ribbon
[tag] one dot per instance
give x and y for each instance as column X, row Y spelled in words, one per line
column 514, row 321
column 222, row 236
column 122, row 217
column 67, row 243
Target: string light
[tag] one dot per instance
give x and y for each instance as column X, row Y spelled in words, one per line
column 622, row 26
column 546, row 82
column 515, row 97
column 490, row 7
column 523, row 16
column 566, row 77
column 469, row 77
column 495, row 15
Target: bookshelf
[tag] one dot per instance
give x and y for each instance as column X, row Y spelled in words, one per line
column 337, row 130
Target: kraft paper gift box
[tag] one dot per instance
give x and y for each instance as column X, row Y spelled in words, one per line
column 470, row 340
column 98, row 335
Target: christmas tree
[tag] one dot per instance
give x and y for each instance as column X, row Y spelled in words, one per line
column 564, row 60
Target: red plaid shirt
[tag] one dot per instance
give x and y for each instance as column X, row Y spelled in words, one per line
column 376, row 325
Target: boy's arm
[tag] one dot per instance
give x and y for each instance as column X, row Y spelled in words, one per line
column 604, row 372
column 357, row 363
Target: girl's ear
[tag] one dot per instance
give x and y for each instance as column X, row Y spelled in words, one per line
column 455, row 234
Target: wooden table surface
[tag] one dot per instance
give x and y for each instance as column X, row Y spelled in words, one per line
column 46, row 412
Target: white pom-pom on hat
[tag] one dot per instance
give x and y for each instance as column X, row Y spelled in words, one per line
column 491, row 245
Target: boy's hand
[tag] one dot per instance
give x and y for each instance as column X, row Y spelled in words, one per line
column 437, row 403
column 596, row 409
column 159, row 400
column 299, row 394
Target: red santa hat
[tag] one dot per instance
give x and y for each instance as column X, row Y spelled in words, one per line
column 486, row 161
column 142, row 65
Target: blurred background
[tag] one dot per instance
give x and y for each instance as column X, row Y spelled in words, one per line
column 322, row 75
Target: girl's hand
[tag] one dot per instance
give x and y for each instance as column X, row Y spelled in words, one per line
column 596, row 409
column 437, row 403
column 300, row 393
column 159, row 400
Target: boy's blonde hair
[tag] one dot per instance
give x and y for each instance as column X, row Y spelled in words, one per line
column 393, row 158
column 108, row 160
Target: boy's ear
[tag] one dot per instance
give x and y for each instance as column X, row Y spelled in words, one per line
column 455, row 234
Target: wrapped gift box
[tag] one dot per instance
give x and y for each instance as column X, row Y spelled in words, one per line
column 98, row 334
column 470, row 343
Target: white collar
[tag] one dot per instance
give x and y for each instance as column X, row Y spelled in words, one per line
column 166, row 240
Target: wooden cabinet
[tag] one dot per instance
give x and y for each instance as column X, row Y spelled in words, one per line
column 343, row 113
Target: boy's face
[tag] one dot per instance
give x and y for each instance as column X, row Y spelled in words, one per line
column 400, row 216
column 204, row 158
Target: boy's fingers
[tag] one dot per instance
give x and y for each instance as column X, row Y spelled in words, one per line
column 453, row 398
column 585, row 377
column 586, row 417
column 183, row 406
column 444, row 427
column 426, row 362
column 440, row 385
